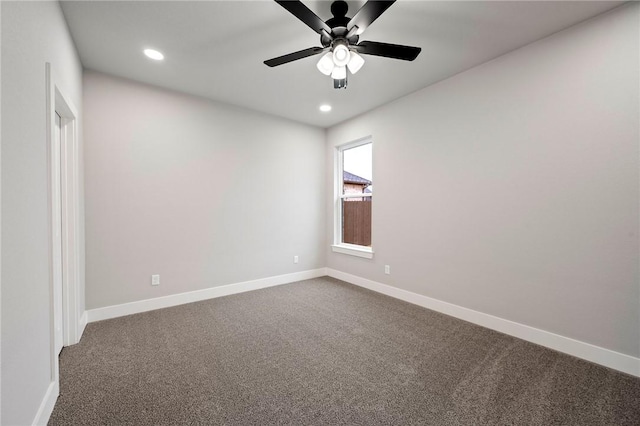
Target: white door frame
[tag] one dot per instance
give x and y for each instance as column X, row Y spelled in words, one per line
column 73, row 322
column 56, row 232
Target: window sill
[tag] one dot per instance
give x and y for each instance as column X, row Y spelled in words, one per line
column 353, row 250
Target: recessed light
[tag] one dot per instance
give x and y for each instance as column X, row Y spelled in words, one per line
column 154, row 54
column 325, row 108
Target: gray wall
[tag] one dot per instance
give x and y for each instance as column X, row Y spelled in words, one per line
column 512, row 188
column 32, row 33
column 201, row 193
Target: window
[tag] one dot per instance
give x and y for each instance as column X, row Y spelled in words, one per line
column 353, row 201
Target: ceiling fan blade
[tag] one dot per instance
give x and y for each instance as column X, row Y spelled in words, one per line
column 295, row 56
column 367, row 14
column 395, row 51
column 302, row 12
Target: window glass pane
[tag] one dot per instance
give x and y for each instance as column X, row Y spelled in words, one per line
column 356, row 221
column 357, row 179
column 356, row 167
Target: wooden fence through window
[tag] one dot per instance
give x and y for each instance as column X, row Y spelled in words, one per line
column 356, row 222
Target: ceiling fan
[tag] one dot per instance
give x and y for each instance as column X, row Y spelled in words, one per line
column 339, row 37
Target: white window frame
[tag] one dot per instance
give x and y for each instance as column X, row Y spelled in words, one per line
column 338, row 246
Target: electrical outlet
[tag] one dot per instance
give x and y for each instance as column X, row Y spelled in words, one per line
column 387, row 269
column 295, row 259
column 155, row 279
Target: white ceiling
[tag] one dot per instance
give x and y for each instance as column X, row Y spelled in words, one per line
column 215, row 49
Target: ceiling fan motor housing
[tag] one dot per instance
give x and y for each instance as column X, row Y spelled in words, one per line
column 338, row 34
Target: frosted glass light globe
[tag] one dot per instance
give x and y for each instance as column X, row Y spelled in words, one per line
column 341, row 55
column 325, row 64
column 355, row 63
column 339, row 73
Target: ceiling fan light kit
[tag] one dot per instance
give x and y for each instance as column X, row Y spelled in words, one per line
column 328, row 65
column 339, row 37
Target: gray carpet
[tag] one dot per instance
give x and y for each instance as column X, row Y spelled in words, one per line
column 325, row 352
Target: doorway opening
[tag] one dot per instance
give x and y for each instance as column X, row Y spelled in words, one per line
column 67, row 318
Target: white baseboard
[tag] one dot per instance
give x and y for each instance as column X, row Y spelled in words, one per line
column 587, row 351
column 47, row 404
column 198, row 295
